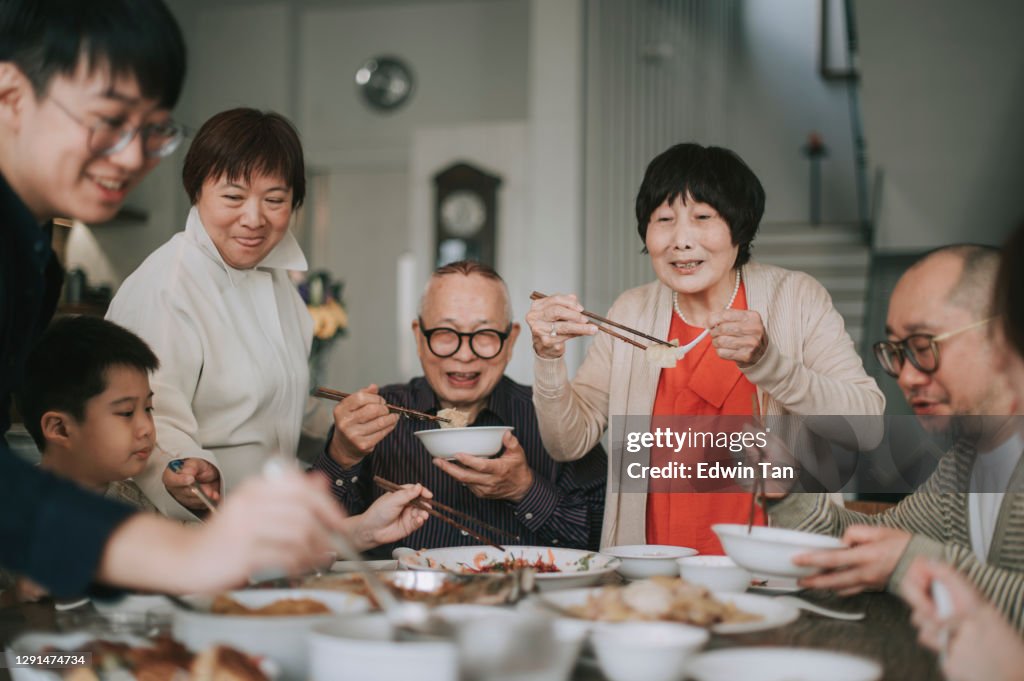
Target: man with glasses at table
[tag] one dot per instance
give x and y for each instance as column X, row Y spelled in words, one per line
column 969, row 512
column 86, row 91
column 464, row 337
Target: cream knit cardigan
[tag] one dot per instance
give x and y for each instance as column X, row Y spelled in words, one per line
column 810, row 368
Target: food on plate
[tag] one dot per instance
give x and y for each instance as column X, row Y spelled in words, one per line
column 225, row 605
column 660, row 598
column 495, row 591
column 162, row 659
column 456, row 418
column 484, row 564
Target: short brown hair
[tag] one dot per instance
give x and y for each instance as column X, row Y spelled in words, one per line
column 1009, row 294
column 239, row 142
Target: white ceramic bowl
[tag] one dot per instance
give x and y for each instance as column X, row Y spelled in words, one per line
column 359, row 648
column 568, row 639
column 281, row 638
column 652, row 651
column 577, row 568
column 715, row 573
column 770, row 550
column 782, row 664
column 640, row 561
column 445, row 443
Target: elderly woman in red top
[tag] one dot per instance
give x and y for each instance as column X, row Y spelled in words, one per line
column 757, row 335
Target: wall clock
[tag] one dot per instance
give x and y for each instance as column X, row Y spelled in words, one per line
column 385, row 83
column 465, row 211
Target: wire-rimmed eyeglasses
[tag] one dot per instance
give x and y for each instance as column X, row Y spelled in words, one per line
column 920, row 349
column 108, row 137
column 445, row 342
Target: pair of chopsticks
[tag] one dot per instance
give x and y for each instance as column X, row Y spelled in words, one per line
column 338, row 396
column 759, row 483
column 596, row 317
column 431, row 506
column 176, row 467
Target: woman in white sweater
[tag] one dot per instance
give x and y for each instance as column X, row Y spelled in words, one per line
column 750, row 334
column 219, row 310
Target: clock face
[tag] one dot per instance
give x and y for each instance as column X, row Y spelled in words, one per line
column 463, row 213
column 385, row 82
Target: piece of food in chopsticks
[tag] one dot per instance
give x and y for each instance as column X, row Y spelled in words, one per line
column 660, row 598
column 225, row 605
column 663, row 356
column 456, row 418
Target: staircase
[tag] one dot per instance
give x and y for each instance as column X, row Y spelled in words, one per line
column 834, row 254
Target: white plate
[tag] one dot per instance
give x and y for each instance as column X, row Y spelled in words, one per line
column 782, row 664
column 774, row 586
column 578, row 568
column 773, row 613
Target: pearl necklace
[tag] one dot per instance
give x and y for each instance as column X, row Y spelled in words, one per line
column 735, row 291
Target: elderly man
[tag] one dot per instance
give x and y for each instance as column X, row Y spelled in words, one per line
column 464, row 337
column 941, row 352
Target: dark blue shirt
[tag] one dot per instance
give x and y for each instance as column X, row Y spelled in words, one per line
column 564, row 507
column 50, row 529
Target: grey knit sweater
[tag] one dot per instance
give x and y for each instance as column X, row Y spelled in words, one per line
column 936, row 515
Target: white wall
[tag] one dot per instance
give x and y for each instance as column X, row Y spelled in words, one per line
column 943, row 92
column 778, row 98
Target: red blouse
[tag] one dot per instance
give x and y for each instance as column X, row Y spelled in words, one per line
column 701, row 384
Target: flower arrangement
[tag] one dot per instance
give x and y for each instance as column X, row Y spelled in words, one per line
column 322, row 296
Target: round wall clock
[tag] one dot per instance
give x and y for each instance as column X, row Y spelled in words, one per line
column 385, row 83
column 463, row 213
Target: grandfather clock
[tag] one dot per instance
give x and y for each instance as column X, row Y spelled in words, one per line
column 465, row 214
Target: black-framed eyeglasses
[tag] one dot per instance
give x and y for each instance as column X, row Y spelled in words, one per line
column 108, row 137
column 920, row 349
column 445, row 342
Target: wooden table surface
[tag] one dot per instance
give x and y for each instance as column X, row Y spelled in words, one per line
column 885, row 634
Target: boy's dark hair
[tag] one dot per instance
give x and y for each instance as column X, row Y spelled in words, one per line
column 711, row 175
column 140, row 38
column 68, row 367
column 241, row 142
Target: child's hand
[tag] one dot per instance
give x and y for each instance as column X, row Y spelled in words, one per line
column 192, row 470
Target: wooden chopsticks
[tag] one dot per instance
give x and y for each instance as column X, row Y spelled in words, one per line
column 759, row 483
column 432, row 506
column 537, row 296
column 338, row 396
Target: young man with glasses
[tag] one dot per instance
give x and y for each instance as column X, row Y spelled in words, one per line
column 464, row 337
column 86, row 90
column 969, row 512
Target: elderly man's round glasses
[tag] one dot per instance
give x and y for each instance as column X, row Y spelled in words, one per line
column 108, row 137
column 445, row 342
column 920, row 349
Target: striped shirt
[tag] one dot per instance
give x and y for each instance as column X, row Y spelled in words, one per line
column 564, row 506
column 937, row 517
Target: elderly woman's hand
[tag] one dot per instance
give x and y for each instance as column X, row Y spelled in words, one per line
column 738, row 335
column 554, row 320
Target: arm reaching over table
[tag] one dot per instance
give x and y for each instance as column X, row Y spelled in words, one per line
column 976, row 642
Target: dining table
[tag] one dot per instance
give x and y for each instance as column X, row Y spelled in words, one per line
column 885, row 634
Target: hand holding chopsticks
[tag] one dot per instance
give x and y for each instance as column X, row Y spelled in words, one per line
column 433, row 508
column 547, row 328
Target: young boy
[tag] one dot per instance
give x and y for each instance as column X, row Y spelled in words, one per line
column 87, row 403
column 86, row 91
